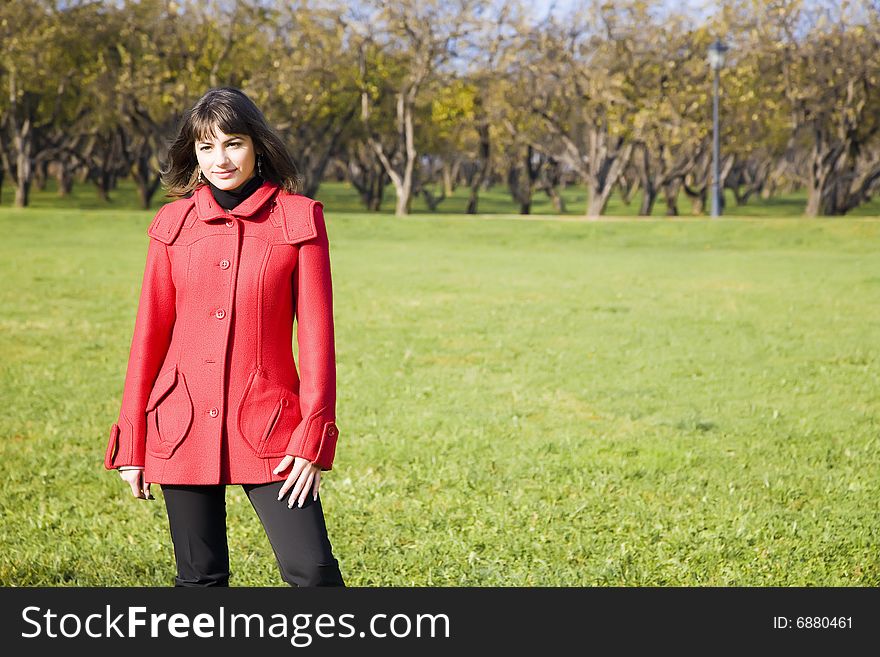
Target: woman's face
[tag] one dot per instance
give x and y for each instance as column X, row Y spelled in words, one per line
column 227, row 160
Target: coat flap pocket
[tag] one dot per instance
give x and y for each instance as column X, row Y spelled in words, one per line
column 164, row 383
column 267, row 414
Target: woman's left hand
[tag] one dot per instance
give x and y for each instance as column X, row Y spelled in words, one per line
column 305, row 477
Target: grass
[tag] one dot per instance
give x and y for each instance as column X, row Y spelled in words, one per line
column 520, row 402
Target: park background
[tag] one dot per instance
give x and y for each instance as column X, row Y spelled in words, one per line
column 555, row 368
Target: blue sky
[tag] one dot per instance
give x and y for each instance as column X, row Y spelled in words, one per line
column 698, row 8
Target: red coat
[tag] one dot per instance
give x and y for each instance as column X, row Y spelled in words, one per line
column 212, row 393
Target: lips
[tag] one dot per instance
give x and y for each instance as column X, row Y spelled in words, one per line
column 225, row 174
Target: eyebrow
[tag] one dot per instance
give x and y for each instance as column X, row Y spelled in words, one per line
column 232, row 138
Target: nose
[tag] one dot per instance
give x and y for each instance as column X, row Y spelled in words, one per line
column 222, row 158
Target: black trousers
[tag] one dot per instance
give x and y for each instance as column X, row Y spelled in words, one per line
column 298, row 535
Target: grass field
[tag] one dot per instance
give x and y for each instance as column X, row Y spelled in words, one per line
column 520, row 402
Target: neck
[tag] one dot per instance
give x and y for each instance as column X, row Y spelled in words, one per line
column 230, row 198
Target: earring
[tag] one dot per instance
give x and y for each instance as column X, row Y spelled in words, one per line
column 200, row 176
column 260, row 165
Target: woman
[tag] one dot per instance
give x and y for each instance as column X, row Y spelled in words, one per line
column 212, row 394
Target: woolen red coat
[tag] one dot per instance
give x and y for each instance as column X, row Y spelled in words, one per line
column 212, row 392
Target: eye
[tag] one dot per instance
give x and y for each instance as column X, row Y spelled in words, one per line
column 235, row 144
column 204, row 148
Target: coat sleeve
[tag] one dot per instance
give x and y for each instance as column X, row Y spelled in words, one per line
column 315, row 437
column 152, row 335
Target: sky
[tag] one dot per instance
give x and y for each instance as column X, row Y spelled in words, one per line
column 698, row 8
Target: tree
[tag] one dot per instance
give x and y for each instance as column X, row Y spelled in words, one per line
column 419, row 37
column 830, row 63
column 41, row 54
column 310, row 85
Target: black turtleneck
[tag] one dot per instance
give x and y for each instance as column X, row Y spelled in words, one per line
column 229, row 198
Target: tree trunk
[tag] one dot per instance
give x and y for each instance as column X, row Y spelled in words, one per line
column 103, row 185
column 670, row 195
column 649, row 196
column 146, row 181
column 22, row 193
column 521, row 181
column 605, row 166
column 450, row 170
column 485, row 152
column 40, row 177
column 598, row 200
column 556, row 200
column 64, row 179
column 824, row 160
column 403, row 182
column 24, row 147
column 401, row 209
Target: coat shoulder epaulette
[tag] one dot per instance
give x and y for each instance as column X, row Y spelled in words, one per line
column 298, row 214
column 170, row 217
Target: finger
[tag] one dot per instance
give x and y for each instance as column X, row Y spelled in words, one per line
column 298, row 488
column 317, row 484
column 306, row 488
column 146, row 488
column 285, row 463
column 295, row 493
column 140, row 484
column 291, row 480
column 135, row 489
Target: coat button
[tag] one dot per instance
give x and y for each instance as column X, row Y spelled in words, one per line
column 220, row 314
column 283, row 402
column 331, row 431
column 214, row 412
column 224, row 264
column 230, row 223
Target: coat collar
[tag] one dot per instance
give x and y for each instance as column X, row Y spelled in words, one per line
column 207, row 208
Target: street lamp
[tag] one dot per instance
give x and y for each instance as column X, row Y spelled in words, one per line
column 716, row 61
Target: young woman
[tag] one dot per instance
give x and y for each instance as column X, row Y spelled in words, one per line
column 212, row 394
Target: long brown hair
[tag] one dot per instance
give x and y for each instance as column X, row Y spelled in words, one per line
column 233, row 112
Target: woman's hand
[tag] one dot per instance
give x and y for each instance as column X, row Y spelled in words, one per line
column 135, row 478
column 304, row 476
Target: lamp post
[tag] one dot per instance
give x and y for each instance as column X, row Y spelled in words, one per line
column 716, row 61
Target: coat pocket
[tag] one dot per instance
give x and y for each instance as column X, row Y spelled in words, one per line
column 267, row 415
column 169, row 413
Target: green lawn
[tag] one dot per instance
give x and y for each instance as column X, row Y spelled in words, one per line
column 520, row 402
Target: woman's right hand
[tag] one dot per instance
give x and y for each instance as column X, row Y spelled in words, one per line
column 134, row 477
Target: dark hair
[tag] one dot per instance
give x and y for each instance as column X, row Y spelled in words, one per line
column 233, row 112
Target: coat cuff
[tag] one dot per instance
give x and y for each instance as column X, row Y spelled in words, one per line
column 315, row 439
column 125, row 447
